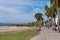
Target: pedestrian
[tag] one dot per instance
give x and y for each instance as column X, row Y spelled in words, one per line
column 54, row 27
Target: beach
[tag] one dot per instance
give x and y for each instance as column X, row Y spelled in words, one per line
column 7, row 29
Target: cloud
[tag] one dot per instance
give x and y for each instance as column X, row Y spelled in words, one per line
column 8, row 9
column 20, row 11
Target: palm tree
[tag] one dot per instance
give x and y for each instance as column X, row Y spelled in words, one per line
column 46, row 7
column 53, row 9
column 47, row 11
column 39, row 18
column 51, row 12
column 52, row 2
column 48, row 14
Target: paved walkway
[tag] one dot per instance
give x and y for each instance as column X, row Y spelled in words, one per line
column 47, row 34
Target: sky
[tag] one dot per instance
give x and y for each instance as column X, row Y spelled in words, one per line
column 21, row 11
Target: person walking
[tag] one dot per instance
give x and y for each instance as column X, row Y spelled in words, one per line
column 54, row 27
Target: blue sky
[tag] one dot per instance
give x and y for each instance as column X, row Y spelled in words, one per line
column 21, row 11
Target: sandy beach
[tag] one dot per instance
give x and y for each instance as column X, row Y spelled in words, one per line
column 4, row 29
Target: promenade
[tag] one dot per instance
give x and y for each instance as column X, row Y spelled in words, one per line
column 47, row 34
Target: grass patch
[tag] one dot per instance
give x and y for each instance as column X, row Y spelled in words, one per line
column 25, row 35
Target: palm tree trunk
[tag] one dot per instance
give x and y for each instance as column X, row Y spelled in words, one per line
column 54, row 21
column 51, row 21
column 59, row 25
